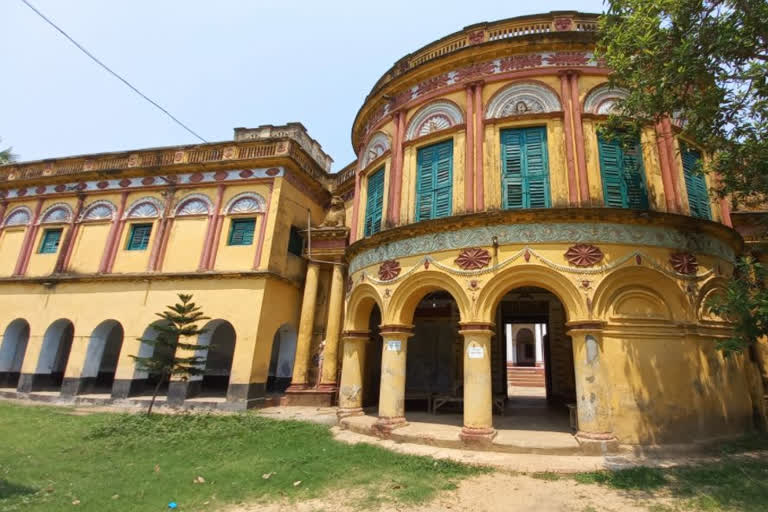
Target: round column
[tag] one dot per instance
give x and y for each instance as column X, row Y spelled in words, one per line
column 352, row 370
column 392, row 390
column 330, row 353
column 306, row 326
column 478, row 394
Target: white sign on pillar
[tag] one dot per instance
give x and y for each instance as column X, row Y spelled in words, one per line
column 476, row 352
column 394, row 345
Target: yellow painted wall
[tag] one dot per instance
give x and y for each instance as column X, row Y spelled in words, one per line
column 134, row 261
column 185, row 244
column 43, row 264
column 237, row 257
column 11, row 240
column 89, row 247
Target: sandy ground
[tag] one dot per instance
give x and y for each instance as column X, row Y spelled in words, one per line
column 496, row 492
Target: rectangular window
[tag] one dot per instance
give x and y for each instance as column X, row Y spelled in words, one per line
column 139, row 237
column 241, row 231
column 374, row 202
column 623, row 176
column 525, row 168
column 295, row 242
column 695, row 183
column 50, row 242
column 434, row 188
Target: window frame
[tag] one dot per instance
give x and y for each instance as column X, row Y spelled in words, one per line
column 44, row 239
column 434, row 190
column 131, row 233
column 239, row 221
column 379, row 203
column 525, row 175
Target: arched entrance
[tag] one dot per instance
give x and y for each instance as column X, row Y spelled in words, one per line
column 101, row 358
column 12, row 351
column 372, row 370
column 54, row 356
column 281, row 359
column 220, row 336
column 145, row 382
column 533, row 357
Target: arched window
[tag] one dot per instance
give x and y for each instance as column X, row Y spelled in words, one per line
column 98, row 210
column 144, row 208
column 20, row 216
column 247, row 202
column 602, row 99
column 434, row 117
column 377, row 146
column 56, row 213
column 194, row 204
column 522, row 98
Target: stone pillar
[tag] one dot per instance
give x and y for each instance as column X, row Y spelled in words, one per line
column 595, row 428
column 539, row 345
column 352, row 370
column 392, row 390
column 478, row 392
column 333, row 327
column 306, row 326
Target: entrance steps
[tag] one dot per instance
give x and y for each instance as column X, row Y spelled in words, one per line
column 525, row 376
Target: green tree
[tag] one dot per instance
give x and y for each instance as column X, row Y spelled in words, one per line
column 6, row 157
column 704, row 63
column 172, row 354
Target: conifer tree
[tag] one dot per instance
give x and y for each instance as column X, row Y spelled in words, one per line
column 178, row 355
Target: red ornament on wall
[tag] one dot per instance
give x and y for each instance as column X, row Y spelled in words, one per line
column 684, row 263
column 583, row 255
column 473, row 258
column 389, row 270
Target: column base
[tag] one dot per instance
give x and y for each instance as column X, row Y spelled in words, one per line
column 308, row 396
column 477, row 435
column 180, row 390
column 123, row 388
column 346, row 412
column 597, row 443
column 385, row 424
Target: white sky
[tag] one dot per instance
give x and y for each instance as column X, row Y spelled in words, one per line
column 215, row 65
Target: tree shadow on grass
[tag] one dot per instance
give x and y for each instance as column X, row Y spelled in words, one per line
column 11, row 490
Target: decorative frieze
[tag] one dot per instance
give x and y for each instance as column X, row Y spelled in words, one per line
column 389, row 270
column 473, row 258
column 584, row 255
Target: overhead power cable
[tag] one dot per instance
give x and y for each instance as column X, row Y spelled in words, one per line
column 97, row 61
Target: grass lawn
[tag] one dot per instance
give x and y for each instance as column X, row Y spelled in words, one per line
column 51, row 459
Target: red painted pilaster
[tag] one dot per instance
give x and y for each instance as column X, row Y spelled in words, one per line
column 114, row 236
column 578, row 132
column 469, row 156
column 674, row 170
column 479, row 148
column 356, row 200
column 666, row 177
column 565, row 96
column 213, row 216
column 216, row 234
column 157, row 246
column 396, row 146
column 29, row 239
column 399, row 174
column 68, row 245
column 263, row 230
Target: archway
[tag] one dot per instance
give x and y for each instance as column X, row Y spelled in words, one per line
column 54, row 356
column 372, row 369
column 12, row 351
column 101, row 358
column 281, row 359
column 220, row 336
column 532, row 363
column 144, row 382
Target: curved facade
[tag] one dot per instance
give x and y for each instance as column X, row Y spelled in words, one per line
column 486, row 238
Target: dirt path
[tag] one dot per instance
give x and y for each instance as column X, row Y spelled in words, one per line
column 496, row 492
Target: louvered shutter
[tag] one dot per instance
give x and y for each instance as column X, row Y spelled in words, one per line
column 695, row 184
column 139, row 239
column 374, row 203
column 242, row 232
column 614, row 194
column 637, row 197
column 434, row 188
column 525, row 170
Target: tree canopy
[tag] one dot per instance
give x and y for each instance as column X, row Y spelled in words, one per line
column 6, row 157
column 704, row 63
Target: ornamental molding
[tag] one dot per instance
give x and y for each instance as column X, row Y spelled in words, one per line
column 144, row 208
column 377, row 146
column 389, row 270
column 193, row 204
column 19, row 216
column 684, row 263
column 635, row 258
column 436, row 116
column 473, row 258
column 602, row 99
column 523, row 98
column 583, row 255
column 98, row 210
column 246, row 202
column 56, row 213
column 490, row 68
column 139, row 182
column 518, row 234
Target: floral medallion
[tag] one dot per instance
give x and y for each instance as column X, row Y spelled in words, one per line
column 684, row 263
column 389, row 270
column 583, row 255
column 473, row 258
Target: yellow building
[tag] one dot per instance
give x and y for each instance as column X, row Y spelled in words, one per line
column 483, row 200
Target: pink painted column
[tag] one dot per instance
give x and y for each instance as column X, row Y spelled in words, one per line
column 216, row 238
column 3, row 207
column 396, row 146
column 565, row 95
column 673, row 168
column 479, row 148
column 666, row 177
column 578, row 131
column 725, row 207
column 112, row 239
column 68, row 245
column 213, row 216
column 263, row 230
column 469, row 157
column 29, row 239
column 399, row 175
column 356, row 201
column 157, row 246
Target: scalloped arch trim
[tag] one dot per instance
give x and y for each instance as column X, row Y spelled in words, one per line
column 602, row 99
column 522, row 98
column 436, row 116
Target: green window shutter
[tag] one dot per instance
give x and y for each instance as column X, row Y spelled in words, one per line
column 374, row 203
column 695, row 184
column 622, row 175
column 434, row 187
column 241, row 231
column 50, row 242
column 525, row 168
column 295, row 242
column 139, row 237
